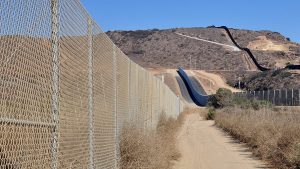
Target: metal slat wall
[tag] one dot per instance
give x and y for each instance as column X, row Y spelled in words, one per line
column 278, row 97
column 67, row 91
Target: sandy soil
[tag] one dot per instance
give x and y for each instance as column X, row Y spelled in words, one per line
column 212, row 82
column 295, row 71
column 204, row 146
column 280, row 63
column 175, row 83
column 262, row 43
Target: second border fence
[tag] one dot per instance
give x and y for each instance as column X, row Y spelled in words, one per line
column 280, row 97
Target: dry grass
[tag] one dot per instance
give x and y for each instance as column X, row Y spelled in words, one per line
column 151, row 149
column 201, row 111
column 273, row 135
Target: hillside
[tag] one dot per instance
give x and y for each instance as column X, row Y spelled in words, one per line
column 165, row 49
column 275, row 79
column 209, row 49
column 271, row 49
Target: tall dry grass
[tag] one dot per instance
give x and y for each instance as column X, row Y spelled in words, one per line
column 273, row 134
column 151, row 149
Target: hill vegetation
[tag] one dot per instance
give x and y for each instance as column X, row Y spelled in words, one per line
column 166, row 49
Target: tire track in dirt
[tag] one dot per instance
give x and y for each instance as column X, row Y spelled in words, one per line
column 204, row 146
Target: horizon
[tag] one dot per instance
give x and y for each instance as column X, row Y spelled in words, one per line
column 277, row 16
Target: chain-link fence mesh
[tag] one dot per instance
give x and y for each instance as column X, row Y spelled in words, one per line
column 66, row 90
column 279, row 97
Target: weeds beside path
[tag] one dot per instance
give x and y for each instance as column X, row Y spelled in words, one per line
column 272, row 134
column 202, row 146
column 150, row 148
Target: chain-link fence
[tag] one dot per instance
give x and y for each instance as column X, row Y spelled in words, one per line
column 280, row 97
column 66, row 90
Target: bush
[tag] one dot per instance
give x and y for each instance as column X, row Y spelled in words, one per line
column 245, row 103
column 257, row 75
column 211, row 114
column 285, row 74
column 223, row 98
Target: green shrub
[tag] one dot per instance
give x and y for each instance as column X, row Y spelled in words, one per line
column 285, row 74
column 211, row 114
column 257, row 75
column 245, row 103
column 223, row 98
column 281, row 73
column 276, row 72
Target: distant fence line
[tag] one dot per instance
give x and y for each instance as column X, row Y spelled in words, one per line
column 279, row 97
column 66, row 90
column 250, row 54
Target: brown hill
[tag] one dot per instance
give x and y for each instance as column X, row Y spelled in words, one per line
column 274, row 79
column 166, row 49
column 271, row 49
column 209, row 49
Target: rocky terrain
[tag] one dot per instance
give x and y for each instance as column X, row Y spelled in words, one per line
column 167, row 49
column 271, row 49
column 274, row 79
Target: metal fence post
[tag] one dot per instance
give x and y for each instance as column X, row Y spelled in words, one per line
column 178, row 105
column 55, row 80
column 129, row 93
column 299, row 97
column 280, row 102
column 159, row 104
column 286, row 97
column 115, row 106
column 151, row 100
column 260, row 95
column 292, row 97
column 90, row 94
column 274, row 95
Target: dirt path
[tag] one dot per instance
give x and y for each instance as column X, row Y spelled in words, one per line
column 204, row 146
column 234, row 48
column 250, row 64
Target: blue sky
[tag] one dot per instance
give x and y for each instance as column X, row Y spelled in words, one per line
column 277, row 15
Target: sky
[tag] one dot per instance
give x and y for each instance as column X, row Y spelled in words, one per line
column 277, row 15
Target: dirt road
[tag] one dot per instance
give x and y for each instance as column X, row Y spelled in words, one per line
column 211, row 82
column 234, row 48
column 204, row 146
